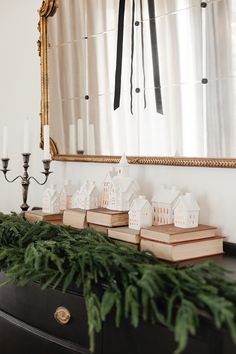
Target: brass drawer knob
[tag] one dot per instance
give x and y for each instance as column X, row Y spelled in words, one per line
column 62, row 315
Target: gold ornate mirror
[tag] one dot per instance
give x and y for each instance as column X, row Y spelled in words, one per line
column 152, row 78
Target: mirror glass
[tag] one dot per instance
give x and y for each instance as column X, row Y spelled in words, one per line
column 153, row 78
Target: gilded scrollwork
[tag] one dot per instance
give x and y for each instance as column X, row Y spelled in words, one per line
column 48, row 8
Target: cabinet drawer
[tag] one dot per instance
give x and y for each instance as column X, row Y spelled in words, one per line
column 19, row 339
column 37, row 307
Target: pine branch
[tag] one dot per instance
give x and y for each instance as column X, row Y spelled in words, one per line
column 137, row 285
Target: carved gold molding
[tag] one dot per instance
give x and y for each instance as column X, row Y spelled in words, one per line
column 48, row 8
column 153, row 160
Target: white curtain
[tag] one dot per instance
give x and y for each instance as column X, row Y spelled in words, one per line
column 221, row 119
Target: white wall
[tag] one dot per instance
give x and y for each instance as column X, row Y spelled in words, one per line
column 19, row 94
column 20, row 97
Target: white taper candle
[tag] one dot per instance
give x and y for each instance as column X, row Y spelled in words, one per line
column 80, row 135
column 26, row 147
column 204, row 44
column 91, row 140
column 5, row 143
column 46, row 143
column 72, row 142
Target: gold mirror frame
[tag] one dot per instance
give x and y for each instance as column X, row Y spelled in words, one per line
column 48, row 8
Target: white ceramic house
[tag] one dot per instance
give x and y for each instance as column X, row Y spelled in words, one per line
column 122, row 192
column 163, row 204
column 75, row 199
column 122, row 189
column 140, row 213
column 123, row 167
column 66, row 195
column 186, row 211
column 106, row 187
column 88, row 196
column 51, row 200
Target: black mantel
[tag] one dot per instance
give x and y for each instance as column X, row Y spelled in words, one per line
column 27, row 326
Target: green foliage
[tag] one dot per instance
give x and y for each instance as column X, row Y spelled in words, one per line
column 136, row 285
column 186, row 323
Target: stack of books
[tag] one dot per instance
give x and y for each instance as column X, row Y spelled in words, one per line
column 34, row 216
column 177, row 244
column 103, row 220
column 107, row 217
column 125, row 236
column 100, row 219
column 110, row 222
column 75, row 218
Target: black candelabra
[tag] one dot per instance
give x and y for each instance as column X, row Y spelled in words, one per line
column 25, row 179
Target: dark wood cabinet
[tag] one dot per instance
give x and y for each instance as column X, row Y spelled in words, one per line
column 16, row 338
column 28, row 326
column 156, row 339
column 27, row 316
column 36, row 307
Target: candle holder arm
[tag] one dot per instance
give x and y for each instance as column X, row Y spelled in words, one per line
column 8, row 180
column 5, row 170
column 41, row 183
column 46, row 172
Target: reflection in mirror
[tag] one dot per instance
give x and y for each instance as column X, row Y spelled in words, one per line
column 155, row 78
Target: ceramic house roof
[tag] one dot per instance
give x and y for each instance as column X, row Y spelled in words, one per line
column 68, row 188
column 88, row 187
column 54, row 198
column 110, row 174
column 51, row 193
column 124, row 183
column 76, row 193
column 188, row 202
column 123, row 161
column 166, row 195
column 139, row 203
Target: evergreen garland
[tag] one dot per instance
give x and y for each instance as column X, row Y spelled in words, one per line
column 137, row 285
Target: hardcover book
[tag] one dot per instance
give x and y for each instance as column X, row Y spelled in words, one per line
column 38, row 215
column 56, row 222
column 127, row 244
column 181, row 251
column 125, row 234
column 75, row 218
column 99, row 228
column 107, row 217
column 169, row 233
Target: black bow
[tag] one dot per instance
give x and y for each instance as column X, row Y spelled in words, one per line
column 155, row 58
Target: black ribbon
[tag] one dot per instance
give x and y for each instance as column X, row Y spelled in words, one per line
column 143, row 58
column 119, row 53
column 132, row 59
column 155, row 58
